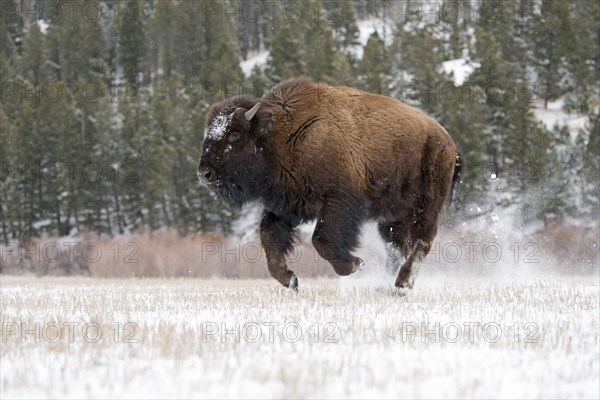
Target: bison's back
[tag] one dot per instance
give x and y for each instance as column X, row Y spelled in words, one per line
column 339, row 138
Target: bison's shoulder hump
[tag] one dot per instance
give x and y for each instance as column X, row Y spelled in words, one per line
column 291, row 93
column 291, row 87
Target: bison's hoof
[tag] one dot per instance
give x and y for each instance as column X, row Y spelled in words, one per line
column 293, row 285
column 404, row 285
column 401, row 291
column 358, row 264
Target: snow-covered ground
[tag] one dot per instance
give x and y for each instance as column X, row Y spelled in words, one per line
column 216, row 338
column 254, row 59
column 366, row 28
column 459, row 69
column 555, row 114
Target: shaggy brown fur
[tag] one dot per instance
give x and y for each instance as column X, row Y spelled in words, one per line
column 339, row 155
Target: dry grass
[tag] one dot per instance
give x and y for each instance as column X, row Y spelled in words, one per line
column 558, row 249
column 154, row 254
column 372, row 351
column 572, row 246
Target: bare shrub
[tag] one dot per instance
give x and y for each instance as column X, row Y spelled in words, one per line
column 167, row 254
column 576, row 249
column 48, row 256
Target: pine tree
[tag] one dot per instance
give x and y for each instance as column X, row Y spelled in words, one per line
column 88, row 113
column 147, row 145
column 591, row 166
column 375, row 66
column 223, row 64
column 169, row 164
column 33, row 62
column 23, row 206
column 163, row 28
column 345, row 73
column 516, row 144
column 191, row 51
column 112, row 55
column 418, row 57
column 551, row 38
column 493, row 81
column 94, row 54
column 64, row 45
column 4, row 179
column 8, row 50
column 501, row 20
column 367, row 8
column 453, row 16
column 583, row 62
column 132, row 41
column 343, row 23
column 319, row 51
column 11, row 28
column 257, row 83
column 250, row 26
column 11, row 107
column 285, row 59
column 103, row 154
column 129, row 192
column 463, row 117
column 548, row 198
column 269, row 23
column 76, row 49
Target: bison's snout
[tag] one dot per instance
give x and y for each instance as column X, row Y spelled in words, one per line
column 206, row 175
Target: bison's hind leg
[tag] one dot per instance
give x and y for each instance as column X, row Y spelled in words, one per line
column 410, row 268
column 422, row 233
column 410, row 242
column 436, row 177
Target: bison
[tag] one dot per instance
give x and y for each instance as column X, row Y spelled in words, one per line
column 307, row 151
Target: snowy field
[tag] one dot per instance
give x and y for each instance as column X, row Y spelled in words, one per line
column 453, row 338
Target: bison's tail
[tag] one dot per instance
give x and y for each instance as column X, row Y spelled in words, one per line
column 458, row 167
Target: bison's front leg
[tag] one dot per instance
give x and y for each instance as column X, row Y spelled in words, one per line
column 276, row 235
column 336, row 234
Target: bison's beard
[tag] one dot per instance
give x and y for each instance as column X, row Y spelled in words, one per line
column 239, row 189
column 230, row 193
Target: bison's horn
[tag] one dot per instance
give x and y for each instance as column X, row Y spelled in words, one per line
column 250, row 113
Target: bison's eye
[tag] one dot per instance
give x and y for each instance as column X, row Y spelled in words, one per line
column 234, row 137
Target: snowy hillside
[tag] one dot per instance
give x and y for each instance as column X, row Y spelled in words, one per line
column 253, row 60
column 365, row 27
column 459, row 69
column 555, row 114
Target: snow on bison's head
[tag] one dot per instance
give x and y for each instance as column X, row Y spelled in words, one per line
column 232, row 164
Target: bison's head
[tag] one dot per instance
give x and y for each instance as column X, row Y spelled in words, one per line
column 232, row 164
